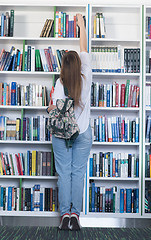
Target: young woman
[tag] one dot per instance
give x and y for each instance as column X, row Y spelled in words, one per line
column 71, row 163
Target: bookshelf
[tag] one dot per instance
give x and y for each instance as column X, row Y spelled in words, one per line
column 125, row 32
column 146, row 111
column 120, row 30
column 29, row 21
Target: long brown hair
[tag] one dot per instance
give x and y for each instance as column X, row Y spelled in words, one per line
column 71, row 75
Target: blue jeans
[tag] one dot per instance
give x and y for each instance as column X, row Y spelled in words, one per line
column 71, row 167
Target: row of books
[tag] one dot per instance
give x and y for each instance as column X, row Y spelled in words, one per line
column 66, row 26
column 30, row 163
column 113, row 200
column 99, row 30
column 36, row 198
column 31, row 59
column 148, row 129
column 48, row 28
column 114, row 95
column 23, row 95
column 24, row 128
column 115, row 129
column 115, row 59
column 7, row 24
column 111, row 164
column 148, row 27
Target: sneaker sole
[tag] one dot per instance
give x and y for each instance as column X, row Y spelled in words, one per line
column 74, row 224
column 65, row 224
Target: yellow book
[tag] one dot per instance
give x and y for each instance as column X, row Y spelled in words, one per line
column 17, row 129
column 95, row 26
column 33, row 163
column 1, row 169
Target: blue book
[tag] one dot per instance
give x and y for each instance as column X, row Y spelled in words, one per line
column 69, row 27
column 13, row 93
column 9, row 59
column 14, row 60
column 121, row 200
column 28, row 159
column 72, row 29
column 137, row 167
column 137, row 200
column 111, row 164
column 2, row 25
column 115, row 126
column 128, row 200
column 108, row 97
column 32, row 199
column 113, row 129
column 2, row 193
column 93, row 197
column 9, row 206
column 91, row 166
column 126, row 131
column 41, row 202
column 4, row 93
column 16, row 94
column 116, row 167
column 38, row 129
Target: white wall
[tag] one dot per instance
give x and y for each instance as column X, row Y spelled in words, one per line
column 105, row 2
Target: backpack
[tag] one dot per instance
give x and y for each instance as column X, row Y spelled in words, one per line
column 62, row 121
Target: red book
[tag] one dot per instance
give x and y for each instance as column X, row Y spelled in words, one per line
column 20, row 165
column 125, row 200
column 67, row 25
column 101, row 202
column 20, row 63
column 1, row 54
column 59, row 25
column 137, row 96
column 113, row 166
column 122, row 95
column 116, row 95
column 48, row 60
column 17, row 162
column 130, row 97
column 74, row 26
column 4, row 171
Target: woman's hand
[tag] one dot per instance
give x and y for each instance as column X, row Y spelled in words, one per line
column 51, row 106
column 80, row 20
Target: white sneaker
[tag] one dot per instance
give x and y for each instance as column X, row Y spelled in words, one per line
column 74, row 222
column 64, row 224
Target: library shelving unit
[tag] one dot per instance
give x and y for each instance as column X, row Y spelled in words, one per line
column 123, row 27
column 146, row 106
column 28, row 23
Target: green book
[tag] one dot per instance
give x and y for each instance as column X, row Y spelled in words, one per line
column 127, row 93
column 23, row 57
column 39, row 61
column 36, row 59
column 54, row 22
column 64, row 24
column 11, row 28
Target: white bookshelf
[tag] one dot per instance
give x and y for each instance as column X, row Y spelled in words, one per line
column 28, row 24
column 146, row 110
column 123, row 27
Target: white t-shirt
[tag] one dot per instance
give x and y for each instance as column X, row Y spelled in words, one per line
column 82, row 114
